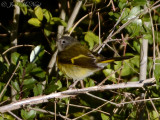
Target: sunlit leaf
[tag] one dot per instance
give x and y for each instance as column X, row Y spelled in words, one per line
column 110, row 72
column 35, row 22
column 47, row 15
column 39, row 13
column 36, row 53
column 92, row 39
column 104, row 117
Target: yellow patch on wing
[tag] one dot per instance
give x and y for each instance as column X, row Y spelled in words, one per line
column 77, row 57
column 107, row 61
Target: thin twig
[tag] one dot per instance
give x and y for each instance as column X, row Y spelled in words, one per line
column 99, row 24
column 52, row 62
column 118, row 21
column 75, row 25
column 9, row 80
column 113, row 5
column 17, row 46
column 109, row 76
column 14, row 115
column 102, row 99
column 84, row 107
column 67, row 110
column 154, row 44
column 91, row 111
column 145, row 11
column 154, row 107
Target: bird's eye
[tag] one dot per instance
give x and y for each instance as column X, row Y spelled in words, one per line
column 63, row 42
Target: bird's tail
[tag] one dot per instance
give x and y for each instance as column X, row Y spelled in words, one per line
column 109, row 60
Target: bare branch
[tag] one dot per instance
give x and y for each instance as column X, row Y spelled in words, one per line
column 52, row 62
column 143, row 59
column 74, row 14
column 68, row 93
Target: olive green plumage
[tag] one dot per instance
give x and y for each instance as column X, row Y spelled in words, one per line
column 77, row 62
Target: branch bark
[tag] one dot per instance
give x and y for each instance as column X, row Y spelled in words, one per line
column 68, row 93
column 143, row 59
column 73, row 15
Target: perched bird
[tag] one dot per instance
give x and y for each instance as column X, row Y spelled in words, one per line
column 77, row 62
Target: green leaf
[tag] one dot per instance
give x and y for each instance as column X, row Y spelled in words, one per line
column 89, row 82
column 15, row 57
column 135, row 29
column 57, row 20
column 86, row 117
column 3, row 68
column 47, row 29
column 47, row 15
column 37, row 90
column 35, row 22
column 91, row 38
column 108, row 72
column 104, row 117
column 148, row 37
column 136, row 46
column 126, row 67
column 15, row 85
column 134, row 79
column 38, row 72
column 154, row 115
column 125, row 14
column 38, row 12
column 157, row 71
column 135, row 61
column 134, row 12
column 51, row 87
column 29, row 81
column 96, row 1
column 37, row 53
column 28, row 115
column 121, row 5
column 30, row 67
column 139, row 2
column 59, row 84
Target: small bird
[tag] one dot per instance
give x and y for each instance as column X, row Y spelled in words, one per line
column 77, row 62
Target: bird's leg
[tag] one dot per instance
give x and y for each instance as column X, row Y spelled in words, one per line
column 72, row 86
column 82, row 84
column 75, row 83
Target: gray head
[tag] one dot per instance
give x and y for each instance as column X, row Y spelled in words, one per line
column 65, row 41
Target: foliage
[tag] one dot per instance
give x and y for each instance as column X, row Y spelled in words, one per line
column 33, row 79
